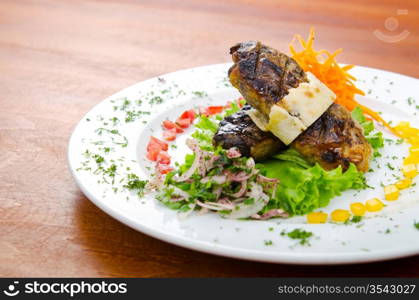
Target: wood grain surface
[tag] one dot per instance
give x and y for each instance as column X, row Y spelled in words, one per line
column 60, row 58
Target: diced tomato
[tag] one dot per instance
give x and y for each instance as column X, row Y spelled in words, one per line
column 191, row 114
column 179, row 129
column 163, row 158
column 184, row 123
column 212, row 110
column 153, row 152
column 186, row 118
column 203, row 111
column 239, row 102
column 164, row 169
column 188, row 114
column 228, row 104
column 169, row 135
column 154, row 147
column 168, row 124
column 155, row 141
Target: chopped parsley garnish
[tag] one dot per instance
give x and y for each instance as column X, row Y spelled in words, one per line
column 200, row 94
column 107, row 150
column 299, row 234
column 375, row 139
column 249, row 201
column 268, row 243
column 356, row 219
column 134, row 183
column 99, row 159
column 156, row 100
column 110, row 171
column 411, row 101
column 390, row 166
column 133, row 115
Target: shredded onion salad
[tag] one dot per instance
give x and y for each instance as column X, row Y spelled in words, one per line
column 221, row 181
column 216, row 179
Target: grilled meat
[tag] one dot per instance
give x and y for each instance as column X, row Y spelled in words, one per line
column 263, row 75
column 287, row 98
column 335, row 139
column 239, row 131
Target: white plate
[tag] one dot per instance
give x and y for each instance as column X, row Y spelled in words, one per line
column 332, row 243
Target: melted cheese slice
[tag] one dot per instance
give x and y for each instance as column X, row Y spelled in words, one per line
column 297, row 110
column 259, row 119
column 283, row 125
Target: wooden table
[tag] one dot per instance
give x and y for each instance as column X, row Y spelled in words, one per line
column 60, row 58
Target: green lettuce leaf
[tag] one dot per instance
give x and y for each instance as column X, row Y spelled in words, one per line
column 304, row 188
column 293, row 156
column 206, row 130
column 375, row 139
column 206, row 123
column 233, row 109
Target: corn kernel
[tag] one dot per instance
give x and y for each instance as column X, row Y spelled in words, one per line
column 410, row 170
column 407, row 132
column 317, row 217
column 414, row 140
column 374, row 204
column 340, row 215
column 404, row 183
column 414, row 151
column 358, row 209
column 391, row 192
column 402, row 128
column 411, row 159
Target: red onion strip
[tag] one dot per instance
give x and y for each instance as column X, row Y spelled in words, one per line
column 241, row 191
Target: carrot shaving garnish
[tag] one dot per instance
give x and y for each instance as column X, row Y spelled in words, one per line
column 324, row 66
column 377, row 117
